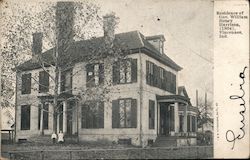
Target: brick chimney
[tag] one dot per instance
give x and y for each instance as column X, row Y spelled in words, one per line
column 109, row 23
column 64, row 25
column 37, row 43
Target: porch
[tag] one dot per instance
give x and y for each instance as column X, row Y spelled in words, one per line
column 176, row 121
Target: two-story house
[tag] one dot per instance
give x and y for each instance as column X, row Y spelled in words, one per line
column 141, row 101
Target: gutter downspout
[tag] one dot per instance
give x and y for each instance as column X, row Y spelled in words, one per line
column 141, row 72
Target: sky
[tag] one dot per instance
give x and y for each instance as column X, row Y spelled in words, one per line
column 188, row 29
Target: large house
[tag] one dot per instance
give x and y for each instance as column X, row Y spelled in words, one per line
column 142, row 101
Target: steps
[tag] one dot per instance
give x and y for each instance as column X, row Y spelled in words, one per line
column 163, row 141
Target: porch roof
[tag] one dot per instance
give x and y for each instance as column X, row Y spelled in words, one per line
column 172, row 98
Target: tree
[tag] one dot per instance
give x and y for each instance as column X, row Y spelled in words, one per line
column 205, row 113
column 49, row 21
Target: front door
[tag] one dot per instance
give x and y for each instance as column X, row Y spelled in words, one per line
column 166, row 119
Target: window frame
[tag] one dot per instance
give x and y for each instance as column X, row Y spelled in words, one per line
column 44, row 83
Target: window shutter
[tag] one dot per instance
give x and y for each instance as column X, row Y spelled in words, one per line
column 174, row 83
column 147, row 72
column 101, row 73
column 133, row 113
column 39, row 115
column 90, row 75
column 188, row 123
column 84, row 111
column 101, row 115
column 115, row 114
column 134, row 70
column 116, row 73
column 168, row 81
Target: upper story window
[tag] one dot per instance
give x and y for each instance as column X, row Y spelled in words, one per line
column 26, row 83
column 125, row 71
column 66, row 81
column 95, row 74
column 43, row 81
column 160, row 78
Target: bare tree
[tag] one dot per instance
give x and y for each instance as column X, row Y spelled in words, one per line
column 205, row 113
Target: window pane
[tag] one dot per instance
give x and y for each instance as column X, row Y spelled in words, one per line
column 26, row 83
column 128, row 71
column 122, row 113
column 96, row 73
column 128, row 113
column 122, row 73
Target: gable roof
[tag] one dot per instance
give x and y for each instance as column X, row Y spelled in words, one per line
column 79, row 50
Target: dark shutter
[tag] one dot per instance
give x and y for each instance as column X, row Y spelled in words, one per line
column 174, row 83
column 26, row 83
column 134, row 70
column 83, row 116
column 101, row 73
column 188, row 123
column 133, row 113
column 45, row 116
column 147, row 72
column 115, row 114
column 168, row 81
column 116, row 73
column 90, row 75
column 101, row 115
column 39, row 115
column 151, row 114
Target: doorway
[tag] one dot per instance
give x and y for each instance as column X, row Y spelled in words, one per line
column 166, row 119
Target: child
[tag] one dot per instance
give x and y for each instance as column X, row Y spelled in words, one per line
column 60, row 137
column 54, row 137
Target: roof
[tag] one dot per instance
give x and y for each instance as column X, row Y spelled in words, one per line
column 79, row 50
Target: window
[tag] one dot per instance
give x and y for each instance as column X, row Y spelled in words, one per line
column 93, row 114
column 25, row 117
column 43, row 81
column 124, row 113
column 45, row 116
column 181, row 120
column 95, row 74
column 160, row 78
column 151, row 114
column 66, row 81
column 125, row 71
column 26, row 83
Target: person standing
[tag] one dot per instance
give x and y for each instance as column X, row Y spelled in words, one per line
column 60, row 137
column 54, row 137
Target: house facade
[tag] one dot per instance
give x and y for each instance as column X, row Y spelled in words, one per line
column 136, row 99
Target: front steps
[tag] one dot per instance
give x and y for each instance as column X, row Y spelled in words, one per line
column 163, row 141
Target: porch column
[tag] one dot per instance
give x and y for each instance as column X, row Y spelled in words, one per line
column 64, row 117
column 185, row 119
column 158, row 118
column 41, row 119
column 176, row 117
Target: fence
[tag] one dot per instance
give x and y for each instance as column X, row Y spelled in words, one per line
column 194, row 152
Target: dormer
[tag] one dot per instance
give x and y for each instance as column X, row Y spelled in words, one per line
column 157, row 41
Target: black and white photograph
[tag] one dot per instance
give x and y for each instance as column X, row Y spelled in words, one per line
column 113, row 79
